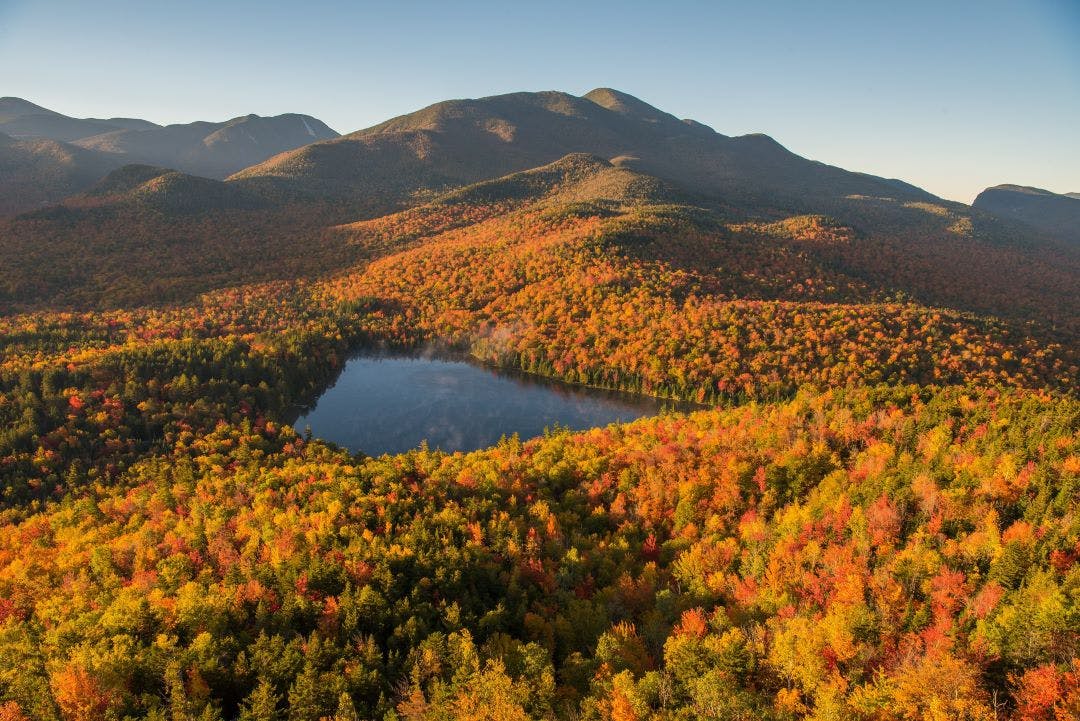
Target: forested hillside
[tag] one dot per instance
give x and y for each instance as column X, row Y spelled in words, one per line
column 874, row 516
column 37, row 171
column 891, row 555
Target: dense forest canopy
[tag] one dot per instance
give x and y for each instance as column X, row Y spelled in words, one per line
column 875, row 517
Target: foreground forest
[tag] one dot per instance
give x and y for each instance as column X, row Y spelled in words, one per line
column 875, row 517
column 900, row 554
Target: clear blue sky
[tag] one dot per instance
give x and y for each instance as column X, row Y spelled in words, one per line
column 952, row 95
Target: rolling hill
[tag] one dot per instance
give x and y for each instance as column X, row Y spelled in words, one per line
column 38, row 171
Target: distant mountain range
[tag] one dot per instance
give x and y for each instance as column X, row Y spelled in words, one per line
column 46, row 156
column 1052, row 212
column 22, row 119
column 133, row 193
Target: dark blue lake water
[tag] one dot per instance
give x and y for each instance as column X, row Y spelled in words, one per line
column 391, row 404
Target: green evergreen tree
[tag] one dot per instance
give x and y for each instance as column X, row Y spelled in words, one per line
column 346, row 711
column 210, row 713
column 262, row 704
column 179, row 707
column 304, row 696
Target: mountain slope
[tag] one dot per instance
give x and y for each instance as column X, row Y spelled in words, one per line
column 464, row 141
column 39, row 171
column 214, row 150
column 929, row 253
column 23, row 119
column 1050, row 212
column 934, row 250
column 575, row 177
column 46, row 156
column 891, row 240
column 149, row 235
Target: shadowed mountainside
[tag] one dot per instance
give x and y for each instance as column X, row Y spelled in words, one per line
column 38, row 171
column 1049, row 212
column 214, row 150
column 23, row 119
column 46, row 156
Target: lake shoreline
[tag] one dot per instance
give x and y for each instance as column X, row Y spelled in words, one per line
column 388, row 400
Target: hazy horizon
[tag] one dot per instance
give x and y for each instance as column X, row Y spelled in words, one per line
column 953, row 100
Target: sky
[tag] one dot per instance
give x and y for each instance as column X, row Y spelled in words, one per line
column 952, row 95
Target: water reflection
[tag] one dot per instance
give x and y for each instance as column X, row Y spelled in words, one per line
column 389, row 404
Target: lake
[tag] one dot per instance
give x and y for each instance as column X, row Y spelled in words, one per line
column 390, row 404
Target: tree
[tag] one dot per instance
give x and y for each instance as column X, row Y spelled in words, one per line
column 304, row 697
column 261, row 704
column 940, row 687
column 179, row 707
column 346, row 711
column 491, row 695
column 80, row 696
column 10, row 711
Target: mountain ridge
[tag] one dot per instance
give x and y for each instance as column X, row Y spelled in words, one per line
column 465, row 141
column 497, row 152
column 49, row 156
column 214, row 150
column 1055, row 213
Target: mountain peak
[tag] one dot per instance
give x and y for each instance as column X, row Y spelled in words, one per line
column 12, row 107
column 1023, row 189
column 1057, row 214
column 125, row 179
column 626, row 104
column 466, row 141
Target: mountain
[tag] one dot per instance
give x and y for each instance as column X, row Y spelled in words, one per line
column 22, row 119
column 201, row 148
column 170, row 191
column 466, row 159
column 1050, row 212
column 214, row 150
column 47, row 156
column 39, row 171
column 464, row 141
column 906, row 239
column 145, row 234
column 576, row 177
